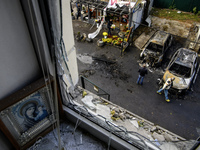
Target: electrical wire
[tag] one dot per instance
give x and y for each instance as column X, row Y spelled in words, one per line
column 47, row 79
column 111, row 125
column 78, row 122
column 109, row 139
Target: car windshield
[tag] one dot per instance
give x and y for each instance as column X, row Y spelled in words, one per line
column 154, row 47
column 180, row 70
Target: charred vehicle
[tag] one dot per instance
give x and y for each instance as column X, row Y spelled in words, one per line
column 155, row 48
column 184, row 67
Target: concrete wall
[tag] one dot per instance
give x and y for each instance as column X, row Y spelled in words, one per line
column 19, row 60
column 68, row 37
column 18, row 63
column 138, row 15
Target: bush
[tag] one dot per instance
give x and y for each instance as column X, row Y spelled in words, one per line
column 172, row 6
column 194, row 10
column 198, row 14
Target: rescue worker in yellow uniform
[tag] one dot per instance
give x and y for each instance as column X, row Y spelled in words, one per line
column 166, row 87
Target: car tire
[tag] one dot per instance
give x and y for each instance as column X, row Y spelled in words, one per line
column 142, row 57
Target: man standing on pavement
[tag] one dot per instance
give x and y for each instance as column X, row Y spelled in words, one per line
column 78, row 11
column 142, row 72
column 109, row 26
column 166, row 87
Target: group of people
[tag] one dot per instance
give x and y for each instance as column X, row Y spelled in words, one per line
column 167, row 85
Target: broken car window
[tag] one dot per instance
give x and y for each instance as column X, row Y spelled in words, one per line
column 180, row 70
column 155, row 47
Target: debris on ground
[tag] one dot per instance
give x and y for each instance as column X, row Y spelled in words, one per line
column 85, row 58
column 109, row 68
column 104, row 60
column 171, row 26
column 118, row 117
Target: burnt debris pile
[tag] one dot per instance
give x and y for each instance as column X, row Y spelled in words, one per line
column 110, row 68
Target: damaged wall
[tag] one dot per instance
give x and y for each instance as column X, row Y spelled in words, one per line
column 138, row 14
column 69, row 41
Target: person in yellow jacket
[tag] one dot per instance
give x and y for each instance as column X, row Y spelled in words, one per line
column 166, row 87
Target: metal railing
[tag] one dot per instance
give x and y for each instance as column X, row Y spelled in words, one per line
column 90, row 86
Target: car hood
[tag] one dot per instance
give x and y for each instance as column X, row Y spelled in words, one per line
column 179, row 82
column 151, row 52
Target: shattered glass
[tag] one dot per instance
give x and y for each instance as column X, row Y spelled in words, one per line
column 155, row 47
column 180, row 70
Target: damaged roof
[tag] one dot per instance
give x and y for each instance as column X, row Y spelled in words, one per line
column 160, row 37
column 186, row 57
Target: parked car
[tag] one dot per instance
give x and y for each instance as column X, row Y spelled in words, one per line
column 156, row 47
column 184, row 67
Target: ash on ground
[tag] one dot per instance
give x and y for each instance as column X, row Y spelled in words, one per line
column 109, row 68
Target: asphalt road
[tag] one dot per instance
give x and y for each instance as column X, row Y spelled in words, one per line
column 180, row 116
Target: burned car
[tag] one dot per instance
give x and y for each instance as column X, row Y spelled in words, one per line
column 184, row 67
column 156, row 47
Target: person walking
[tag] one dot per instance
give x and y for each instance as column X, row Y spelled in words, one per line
column 166, row 87
column 142, row 72
column 78, row 11
column 109, row 26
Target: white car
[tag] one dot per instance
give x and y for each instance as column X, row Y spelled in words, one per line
column 184, row 67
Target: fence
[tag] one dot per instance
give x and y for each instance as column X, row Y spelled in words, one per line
column 183, row 5
column 90, row 86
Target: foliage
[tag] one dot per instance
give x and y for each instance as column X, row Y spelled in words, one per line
column 194, row 10
column 198, row 14
column 173, row 15
column 172, row 6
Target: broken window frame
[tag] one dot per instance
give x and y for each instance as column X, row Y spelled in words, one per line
column 177, row 69
column 81, row 114
column 155, row 50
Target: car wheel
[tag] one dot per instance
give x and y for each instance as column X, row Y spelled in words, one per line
column 141, row 57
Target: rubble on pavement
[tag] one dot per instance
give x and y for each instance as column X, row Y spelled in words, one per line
column 130, row 122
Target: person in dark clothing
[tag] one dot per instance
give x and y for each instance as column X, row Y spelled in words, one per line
column 142, row 72
column 109, row 26
column 71, row 8
column 78, row 11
